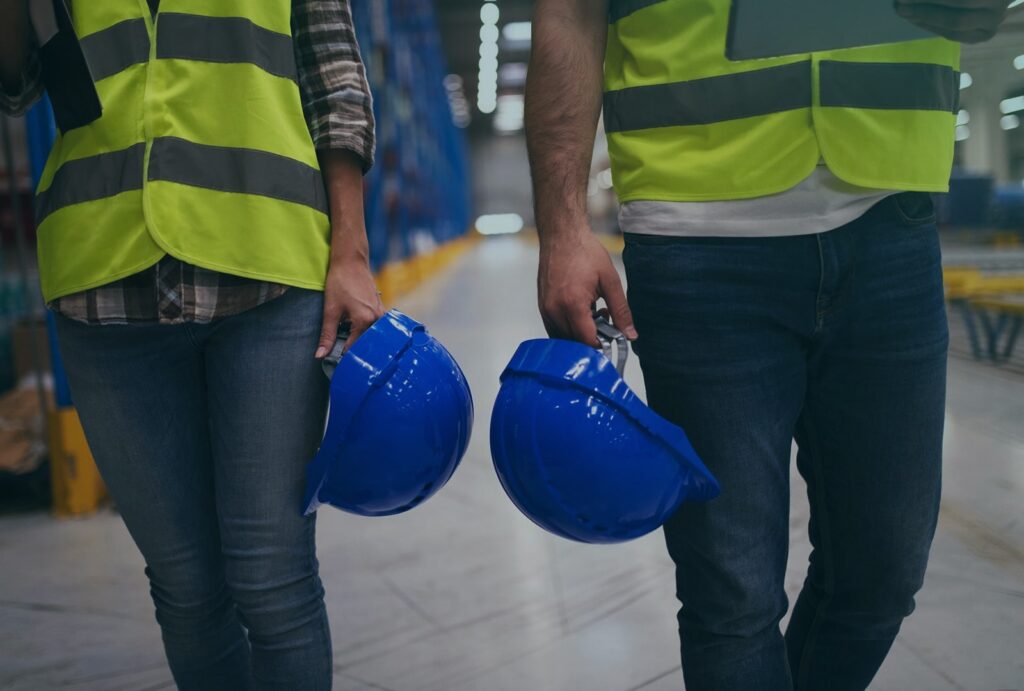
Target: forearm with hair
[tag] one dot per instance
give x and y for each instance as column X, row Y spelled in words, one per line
column 563, row 102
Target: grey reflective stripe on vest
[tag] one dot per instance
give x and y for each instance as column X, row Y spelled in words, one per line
column 245, row 171
column 709, row 100
column 623, row 8
column 117, row 47
column 889, row 86
column 92, row 178
column 225, row 39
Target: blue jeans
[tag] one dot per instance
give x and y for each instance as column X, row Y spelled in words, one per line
column 837, row 340
column 202, row 433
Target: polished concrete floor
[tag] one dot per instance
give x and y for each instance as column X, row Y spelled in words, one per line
column 466, row 594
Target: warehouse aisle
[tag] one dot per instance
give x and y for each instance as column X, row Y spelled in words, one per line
column 465, row 594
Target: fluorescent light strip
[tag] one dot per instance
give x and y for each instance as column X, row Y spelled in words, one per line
column 1011, row 105
column 489, row 13
column 499, row 224
column 517, row 32
column 487, row 79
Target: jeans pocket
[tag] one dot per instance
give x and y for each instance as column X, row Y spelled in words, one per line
column 914, row 208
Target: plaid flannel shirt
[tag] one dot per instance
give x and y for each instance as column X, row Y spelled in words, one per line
column 339, row 112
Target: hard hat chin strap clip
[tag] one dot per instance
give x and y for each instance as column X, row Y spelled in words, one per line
column 331, row 360
column 612, row 340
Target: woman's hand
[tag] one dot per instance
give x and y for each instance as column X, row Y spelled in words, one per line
column 350, row 294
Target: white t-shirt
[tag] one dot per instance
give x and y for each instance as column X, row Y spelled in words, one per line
column 819, row 203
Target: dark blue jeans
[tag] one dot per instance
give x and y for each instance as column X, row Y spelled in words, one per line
column 837, row 340
column 202, row 433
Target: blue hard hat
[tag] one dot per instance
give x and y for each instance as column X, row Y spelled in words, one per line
column 580, row 454
column 398, row 424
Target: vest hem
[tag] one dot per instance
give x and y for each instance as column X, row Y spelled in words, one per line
column 242, row 273
column 861, row 181
column 712, row 196
column 894, row 185
column 49, row 297
column 868, row 183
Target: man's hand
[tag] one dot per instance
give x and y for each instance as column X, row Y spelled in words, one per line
column 351, row 296
column 575, row 271
column 563, row 102
column 965, row 21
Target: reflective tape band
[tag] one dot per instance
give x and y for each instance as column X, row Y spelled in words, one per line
column 92, row 178
column 889, row 86
column 244, row 171
column 116, row 48
column 709, row 100
column 227, row 40
column 623, row 8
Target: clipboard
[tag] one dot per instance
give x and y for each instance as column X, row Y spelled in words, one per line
column 773, row 28
column 65, row 70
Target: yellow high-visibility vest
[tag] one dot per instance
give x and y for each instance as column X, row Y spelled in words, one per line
column 686, row 124
column 202, row 151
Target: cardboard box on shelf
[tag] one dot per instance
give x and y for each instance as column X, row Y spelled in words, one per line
column 22, row 431
column 26, row 442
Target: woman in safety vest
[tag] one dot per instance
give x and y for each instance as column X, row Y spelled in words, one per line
column 200, row 243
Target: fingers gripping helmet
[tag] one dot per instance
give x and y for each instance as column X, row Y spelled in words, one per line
column 579, row 453
column 398, row 422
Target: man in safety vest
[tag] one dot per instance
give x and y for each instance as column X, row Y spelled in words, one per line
column 785, row 281
column 200, row 243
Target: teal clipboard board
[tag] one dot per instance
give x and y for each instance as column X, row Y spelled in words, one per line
column 773, row 28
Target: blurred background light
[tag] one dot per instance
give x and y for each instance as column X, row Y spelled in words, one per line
column 499, row 224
